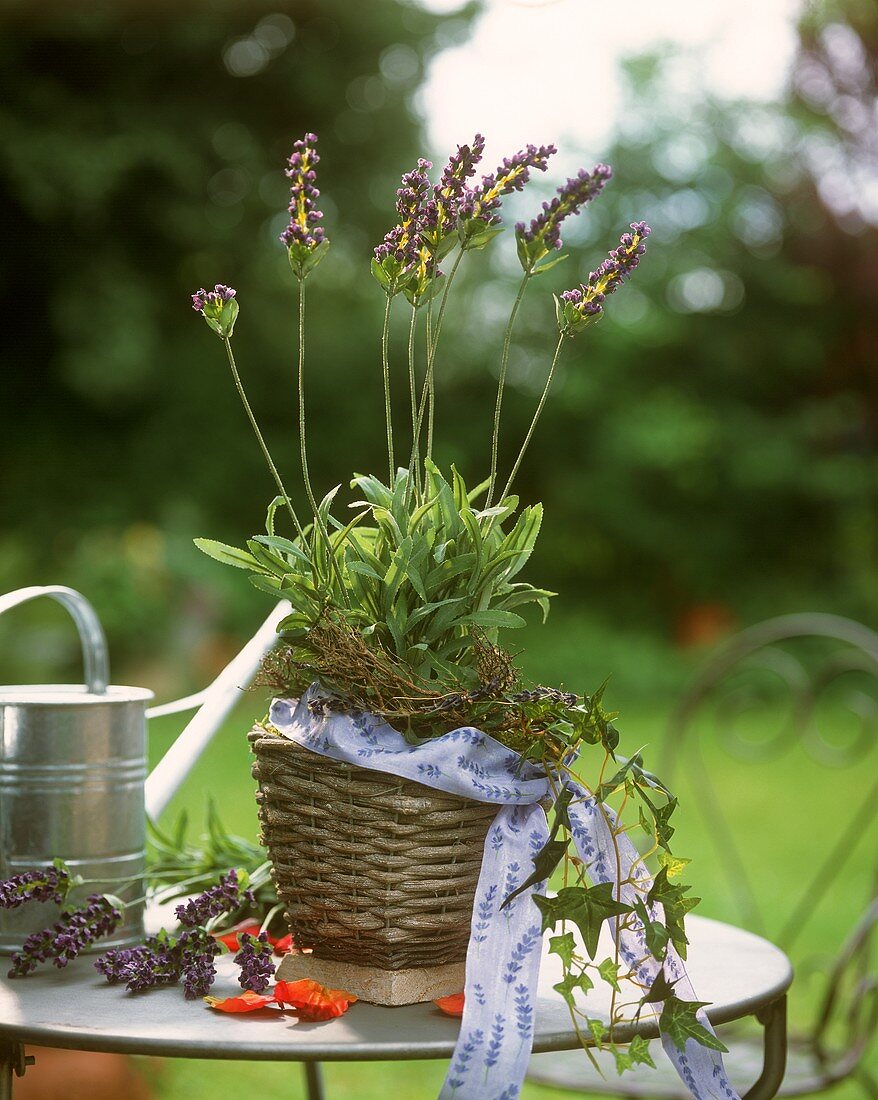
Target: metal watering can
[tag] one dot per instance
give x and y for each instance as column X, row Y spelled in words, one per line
column 73, row 768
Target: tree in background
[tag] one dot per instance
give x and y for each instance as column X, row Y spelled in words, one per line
column 142, row 154
column 719, row 433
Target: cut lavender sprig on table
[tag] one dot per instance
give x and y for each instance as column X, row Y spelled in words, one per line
column 48, row 884
column 254, row 959
column 227, row 896
column 68, row 937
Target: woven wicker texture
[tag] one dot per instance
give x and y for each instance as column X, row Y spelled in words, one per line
column 373, row 869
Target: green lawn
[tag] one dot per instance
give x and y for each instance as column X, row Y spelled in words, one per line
column 785, row 815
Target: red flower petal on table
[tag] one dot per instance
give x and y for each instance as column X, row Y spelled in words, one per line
column 452, row 1005
column 283, row 945
column 230, row 936
column 244, row 1002
column 313, row 1001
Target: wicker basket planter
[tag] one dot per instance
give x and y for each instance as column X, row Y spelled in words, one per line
column 377, row 873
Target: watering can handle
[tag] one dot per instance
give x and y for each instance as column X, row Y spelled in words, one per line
column 91, row 634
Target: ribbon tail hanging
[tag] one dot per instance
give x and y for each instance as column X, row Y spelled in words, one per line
column 502, row 964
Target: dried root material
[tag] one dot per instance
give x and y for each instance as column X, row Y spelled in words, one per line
column 362, row 675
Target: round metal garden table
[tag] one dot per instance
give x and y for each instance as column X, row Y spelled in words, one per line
column 738, row 972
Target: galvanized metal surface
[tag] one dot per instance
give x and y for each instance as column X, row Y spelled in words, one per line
column 95, row 660
column 735, row 970
column 72, row 769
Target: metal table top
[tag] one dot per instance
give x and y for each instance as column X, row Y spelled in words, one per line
column 735, row 970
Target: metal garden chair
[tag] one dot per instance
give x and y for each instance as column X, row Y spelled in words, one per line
column 798, row 669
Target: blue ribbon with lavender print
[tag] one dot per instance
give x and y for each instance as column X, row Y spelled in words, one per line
column 503, row 957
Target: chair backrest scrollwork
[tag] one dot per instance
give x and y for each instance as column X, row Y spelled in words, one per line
column 803, row 686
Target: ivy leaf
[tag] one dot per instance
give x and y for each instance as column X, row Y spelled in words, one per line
column 564, row 947
column 571, row 982
column 598, row 1030
column 630, row 766
column 664, row 830
column 609, row 971
column 637, row 1052
column 660, row 989
column 674, row 865
column 678, row 1022
column 675, row 905
column 654, row 932
column 587, row 907
column 545, row 862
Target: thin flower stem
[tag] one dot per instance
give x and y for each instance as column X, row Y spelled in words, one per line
column 501, row 383
column 413, row 326
column 536, row 417
column 303, row 450
column 432, row 343
column 385, row 363
column 431, row 385
column 262, row 444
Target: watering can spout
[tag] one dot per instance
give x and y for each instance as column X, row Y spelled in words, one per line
column 214, row 705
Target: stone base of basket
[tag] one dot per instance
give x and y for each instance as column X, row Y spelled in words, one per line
column 376, row 986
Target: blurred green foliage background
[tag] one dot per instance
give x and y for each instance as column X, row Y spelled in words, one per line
column 709, row 455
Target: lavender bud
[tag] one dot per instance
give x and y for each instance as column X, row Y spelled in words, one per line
column 583, row 305
column 544, row 232
column 479, row 206
column 49, row 884
column 304, row 238
column 225, row 897
column 68, row 937
column 218, row 307
column 254, row 959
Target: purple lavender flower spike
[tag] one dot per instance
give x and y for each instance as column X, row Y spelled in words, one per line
column 399, row 255
column 442, row 209
column 583, row 305
column 218, row 307
column 49, row 884
column 68, row 937
column 479, row 206
column 225, row 897
column 254, row 959
column 544, row 232
column 304, row 237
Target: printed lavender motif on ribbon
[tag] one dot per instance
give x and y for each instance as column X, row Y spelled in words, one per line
column 503, row 957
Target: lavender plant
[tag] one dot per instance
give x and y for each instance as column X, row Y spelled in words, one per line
column 400, row 610
column 428, row 564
